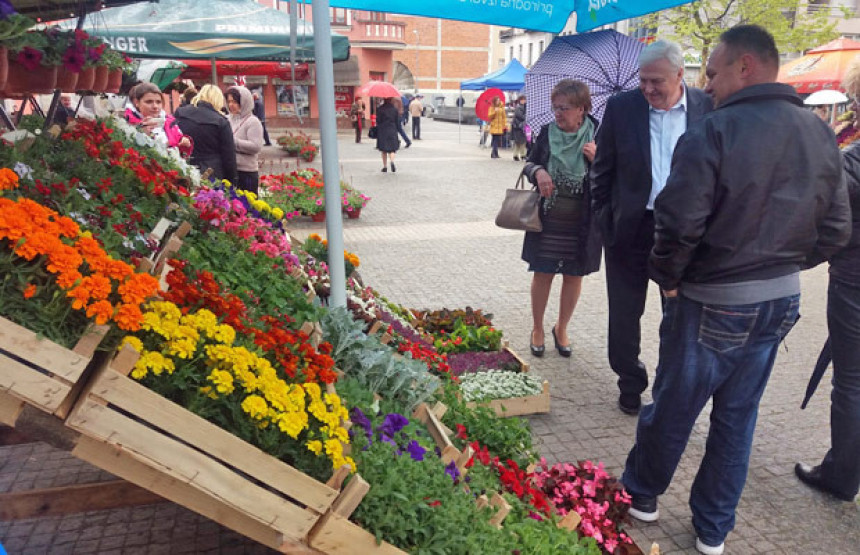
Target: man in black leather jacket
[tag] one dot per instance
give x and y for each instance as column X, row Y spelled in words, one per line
column 756, row 193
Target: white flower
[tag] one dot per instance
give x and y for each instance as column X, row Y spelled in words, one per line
column 84, row 193
column 498, row 384
column 23, row 170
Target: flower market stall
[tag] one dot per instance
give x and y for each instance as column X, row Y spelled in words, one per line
column 175, row 334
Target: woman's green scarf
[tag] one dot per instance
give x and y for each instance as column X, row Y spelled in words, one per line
column 566, row 161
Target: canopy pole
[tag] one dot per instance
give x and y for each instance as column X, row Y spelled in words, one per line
column 214, row 73
column 328, row 139
column 294, row 29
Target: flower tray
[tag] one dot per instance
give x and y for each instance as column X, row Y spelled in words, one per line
column 150, row 441
column 518, row 406
column 41, row 372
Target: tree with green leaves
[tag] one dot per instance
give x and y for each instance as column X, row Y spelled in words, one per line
column 796, row 25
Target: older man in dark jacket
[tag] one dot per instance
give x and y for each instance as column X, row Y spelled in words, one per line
column 755, row 193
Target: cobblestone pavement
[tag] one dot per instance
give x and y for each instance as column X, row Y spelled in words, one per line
column 427, row 239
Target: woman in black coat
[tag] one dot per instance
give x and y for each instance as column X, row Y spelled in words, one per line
column 213, row 137
column 569, row 243
column 387, row 141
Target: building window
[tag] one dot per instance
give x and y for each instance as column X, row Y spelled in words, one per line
column 300, row 8
column 376, row 16
column 338, row 16
column 540, row 49
column 520, row 58
column 531, row 54
column 512, row 52
column 377, row 76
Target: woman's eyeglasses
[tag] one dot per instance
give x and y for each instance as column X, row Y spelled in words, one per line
column 561, row 109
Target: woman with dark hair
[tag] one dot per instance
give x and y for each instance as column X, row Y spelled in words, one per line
column 212, row 134
column 569, row 243
column 247, row 136
column 146, row 110
column 518, row 129
column 387, row 141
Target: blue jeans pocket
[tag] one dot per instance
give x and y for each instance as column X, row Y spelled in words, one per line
column 723, row 329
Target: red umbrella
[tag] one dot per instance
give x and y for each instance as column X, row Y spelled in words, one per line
column 379, row 89
column 482, row 107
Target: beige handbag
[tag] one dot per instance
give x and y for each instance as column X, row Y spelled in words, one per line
column 520, row 209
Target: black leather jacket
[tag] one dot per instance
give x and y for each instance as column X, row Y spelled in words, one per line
column 756, row 192
column 213, row 139
column 845, row 265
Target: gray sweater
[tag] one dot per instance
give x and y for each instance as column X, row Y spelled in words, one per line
column 247, row 132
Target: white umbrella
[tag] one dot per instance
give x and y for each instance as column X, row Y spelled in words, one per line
column 828, row 96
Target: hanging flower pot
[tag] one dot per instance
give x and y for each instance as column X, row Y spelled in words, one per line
column 4, row 67
column 318, row 217
column 114, row 81
column 21, row 81
column 86, row 78
column 67, row 81
column 101, row 79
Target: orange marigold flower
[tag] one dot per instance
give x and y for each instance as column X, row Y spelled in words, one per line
column 8, row 179
column 29, row 291
column 102, row 310
column 81, row 295
column 129, row 317
column 100, row 286
column 137, row 288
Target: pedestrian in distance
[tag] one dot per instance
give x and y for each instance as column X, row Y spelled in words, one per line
column 734, row 225
column 569, row 243
column 387, row 123
column 247, row 136
column 634, row 152
column 518, row 132
column 213, row 137
column 400, row 131
column 260, row 114
column 415, row 109
column 356, row 116
column 498, row 121
column 839, row 472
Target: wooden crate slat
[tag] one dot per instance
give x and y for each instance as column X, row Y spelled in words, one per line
column 336, row 535
column 187, row 465
column 518, row 406
column 524, row 366
column 122, row 464
column 30, row 385
column 10, row 408
column 129, row 395
column 41, row 352
column 73, row 499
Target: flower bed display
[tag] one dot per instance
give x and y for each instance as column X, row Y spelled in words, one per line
column 507, row 393
column 301, row 193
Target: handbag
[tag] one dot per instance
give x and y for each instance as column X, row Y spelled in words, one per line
column 520, row 209
column 371, row 133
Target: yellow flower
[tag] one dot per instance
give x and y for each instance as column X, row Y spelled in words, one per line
column 255, row 406
column 132, row 341
column 293, row 423
column 315, row 446
column 277, row 213
column 222, row 380
column 313, row 390
column 224, row 333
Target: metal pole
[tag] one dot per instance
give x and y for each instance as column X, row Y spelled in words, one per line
column 328, row 139
column 214, row 72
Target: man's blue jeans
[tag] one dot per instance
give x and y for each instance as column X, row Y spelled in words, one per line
column 724, row 352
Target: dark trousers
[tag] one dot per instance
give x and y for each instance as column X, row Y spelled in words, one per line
column 708, row 351
column 627, row 288
column 840, row 469
column 496, row 142
column 416, row 127
column 266, row 140
column 248, row 181
column 357, row 127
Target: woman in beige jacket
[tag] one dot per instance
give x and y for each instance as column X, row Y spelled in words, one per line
column 247, row 135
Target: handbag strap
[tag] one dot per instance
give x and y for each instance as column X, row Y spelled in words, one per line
column 521, row 181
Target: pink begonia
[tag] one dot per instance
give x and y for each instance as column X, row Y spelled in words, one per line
column 610, row 545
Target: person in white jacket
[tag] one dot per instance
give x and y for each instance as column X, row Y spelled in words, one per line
column 247, row 135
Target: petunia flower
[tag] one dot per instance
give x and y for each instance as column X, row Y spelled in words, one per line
column 73, row 60
column 415, row 450
column 452, row 470
column 30, row 58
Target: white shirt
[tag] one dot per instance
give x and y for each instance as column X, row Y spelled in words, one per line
column 666, row 127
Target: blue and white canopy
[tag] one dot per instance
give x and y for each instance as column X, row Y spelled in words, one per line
column 512, row 77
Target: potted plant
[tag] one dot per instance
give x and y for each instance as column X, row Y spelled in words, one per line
column 308, row 152
column 12, row 25
column 312, row 205
column 117, row 63
column 353, row 201
column 33, row 59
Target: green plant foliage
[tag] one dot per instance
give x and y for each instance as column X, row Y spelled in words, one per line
column 405, row 381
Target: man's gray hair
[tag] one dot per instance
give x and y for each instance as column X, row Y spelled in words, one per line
column 662, row 50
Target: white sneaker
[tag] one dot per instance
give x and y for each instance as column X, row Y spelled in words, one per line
column 706, row 549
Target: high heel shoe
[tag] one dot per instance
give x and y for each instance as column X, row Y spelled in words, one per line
column 537, row 350
column 563, row 350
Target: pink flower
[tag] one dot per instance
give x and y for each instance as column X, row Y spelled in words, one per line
column 30, row 58
column 73, row 60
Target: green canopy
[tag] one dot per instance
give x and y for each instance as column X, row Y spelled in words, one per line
column 220, row 29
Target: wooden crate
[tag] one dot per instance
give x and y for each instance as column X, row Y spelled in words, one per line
column 150, row 441
column 518, row 406
column 39, row 371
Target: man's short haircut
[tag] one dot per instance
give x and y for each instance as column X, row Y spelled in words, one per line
column 750, row 39
column 662, row 50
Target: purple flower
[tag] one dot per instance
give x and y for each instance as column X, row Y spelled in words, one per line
column 73, row 60
column 392, row 424
column 6, row 9
column 30, row 58
column 416, row 451
column 452, row 470
column 359, row 419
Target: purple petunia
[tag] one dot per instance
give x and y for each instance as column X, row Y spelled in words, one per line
column 416, row 451
column 359, row 419
column 452, row 470
column 6, row 9
column 392, row 424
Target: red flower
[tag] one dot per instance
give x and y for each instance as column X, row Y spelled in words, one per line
column 30, row 58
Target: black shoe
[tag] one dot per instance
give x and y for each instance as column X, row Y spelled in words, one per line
column 563, row 350
column 644, row 508
column 629, row 404
column 384, row 170
column 811, row 476
column 537, row 350
column 516, row 158
column 408, row 144
column 393, row 167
